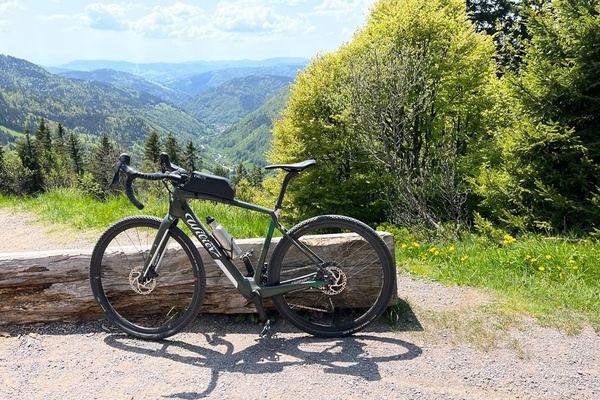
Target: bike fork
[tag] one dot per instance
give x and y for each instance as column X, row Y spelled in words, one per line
column 157, row 252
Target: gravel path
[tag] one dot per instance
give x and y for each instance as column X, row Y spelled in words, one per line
column 426, row 357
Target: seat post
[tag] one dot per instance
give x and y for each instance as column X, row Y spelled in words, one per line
column 290, row 175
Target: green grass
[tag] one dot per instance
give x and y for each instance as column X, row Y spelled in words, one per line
column 556, row 280
column 68, row 207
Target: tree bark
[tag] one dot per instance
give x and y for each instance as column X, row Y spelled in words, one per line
column 52, row 286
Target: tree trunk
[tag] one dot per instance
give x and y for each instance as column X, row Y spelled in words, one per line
column 54, row 286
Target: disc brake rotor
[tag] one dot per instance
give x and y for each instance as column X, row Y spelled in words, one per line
column 140, row 288
column 337, row 281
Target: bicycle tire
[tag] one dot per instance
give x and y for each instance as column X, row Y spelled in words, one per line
column 361, row 260
column 167, row 303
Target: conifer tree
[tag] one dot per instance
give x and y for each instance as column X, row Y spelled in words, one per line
column 75, row 154
column 191, row 161
column 100, row 168
column 152, row 150
column 173, row 149
column 28, row 153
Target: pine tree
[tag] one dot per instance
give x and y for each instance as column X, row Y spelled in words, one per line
column 43, row 142
column 191, row 160
column 240, row 173
column 152, row 150
column 173, row 149
column 256, row 177
column 100, row 168
column 75, row 154
column 220, row 171
column 28, row 153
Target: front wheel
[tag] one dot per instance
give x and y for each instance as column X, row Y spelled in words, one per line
column 164, row 304
column 361, row 269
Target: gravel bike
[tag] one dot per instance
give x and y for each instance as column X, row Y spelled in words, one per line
column 149, row 278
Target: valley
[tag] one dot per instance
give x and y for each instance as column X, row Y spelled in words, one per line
column 226, row 108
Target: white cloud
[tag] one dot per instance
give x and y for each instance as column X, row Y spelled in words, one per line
column 251, row 16
column 183, row 20
column 111, row 17
column 341, row 7
column 8, row 6
column 177, row 20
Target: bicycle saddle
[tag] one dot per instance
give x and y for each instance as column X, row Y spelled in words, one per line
column 301, row 166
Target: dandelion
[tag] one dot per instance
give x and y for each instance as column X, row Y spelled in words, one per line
column 571, row 261
column 464, row 258
column 575, row 267
column 451, row 249
column 527, row 257
column 542, row 268
column 532, row 260
column 432, row 250
column 508, row 239
column 548, row 257
column 436, row 253
column 416, row 245
column 404, row 246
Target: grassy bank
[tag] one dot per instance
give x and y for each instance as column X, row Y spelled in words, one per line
column 556, row 280
column 69, row 207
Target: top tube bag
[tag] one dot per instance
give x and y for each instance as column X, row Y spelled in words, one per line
column 211, row 185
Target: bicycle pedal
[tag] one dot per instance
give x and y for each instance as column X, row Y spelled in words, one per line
column 265, row 332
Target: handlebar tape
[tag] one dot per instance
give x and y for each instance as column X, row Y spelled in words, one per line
column 131, row 176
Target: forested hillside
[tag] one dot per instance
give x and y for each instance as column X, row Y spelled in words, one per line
column 231, row 101
column 165, row 72
column 126, row 106
column 28, row 92
column 196, row 84
column 249, row 140
column 130, row 81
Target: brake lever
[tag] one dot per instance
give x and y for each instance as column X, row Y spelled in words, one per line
column 124, row 159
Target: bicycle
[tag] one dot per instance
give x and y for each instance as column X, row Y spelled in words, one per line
column 149, row 279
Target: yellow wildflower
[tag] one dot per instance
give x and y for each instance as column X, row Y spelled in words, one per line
column 532, row 260
column 464, row 258
column 416, row 244
column 574, row 267
column 548, row 257
column 451, row 248
column 541, row 268
column 404, row 246
column 508, row 239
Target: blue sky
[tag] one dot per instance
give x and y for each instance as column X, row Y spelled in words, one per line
column 53, row 32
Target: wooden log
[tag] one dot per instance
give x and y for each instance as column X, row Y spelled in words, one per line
column 49, row 286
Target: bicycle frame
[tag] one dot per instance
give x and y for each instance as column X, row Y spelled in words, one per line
column 250, row 287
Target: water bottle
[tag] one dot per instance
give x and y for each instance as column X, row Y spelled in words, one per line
column 225, row 240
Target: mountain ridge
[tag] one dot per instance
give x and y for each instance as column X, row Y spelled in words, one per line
column 29, row 92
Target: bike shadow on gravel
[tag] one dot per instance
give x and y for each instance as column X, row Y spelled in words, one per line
column 359, row 355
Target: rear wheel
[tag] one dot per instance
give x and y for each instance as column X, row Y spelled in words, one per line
column 363, row 276
column 163, row 305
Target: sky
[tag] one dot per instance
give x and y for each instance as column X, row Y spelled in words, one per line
column 54, row 32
